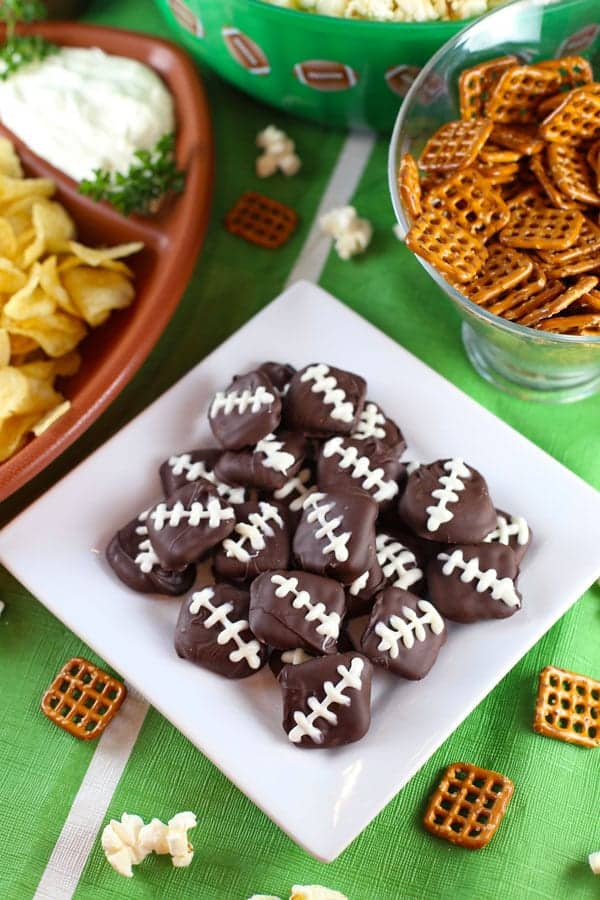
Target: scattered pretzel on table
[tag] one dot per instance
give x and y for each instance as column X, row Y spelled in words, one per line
column 261, row 220
column 568, row 707
column 83, row 699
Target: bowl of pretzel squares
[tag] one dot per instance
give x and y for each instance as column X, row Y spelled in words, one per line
column 496, row 186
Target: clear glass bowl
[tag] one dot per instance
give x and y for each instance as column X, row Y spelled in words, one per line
column 522, row 361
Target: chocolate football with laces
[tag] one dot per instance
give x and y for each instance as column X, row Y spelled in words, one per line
column 213, row 631
column 511, row 531
column 260, row 541
column 336, row 534
column 373, row 425
column 347, row 463
column 294, row 492
column 323, row 401
column 404, row 635
column 131, row 556
column 448, row 501
column 248, row 410
column 189, row 523
column 297, row 610
column 198, row 465
column 268, row 466
column 396, row 566
column 279, row 374
column 327, row 701
column 468, row 583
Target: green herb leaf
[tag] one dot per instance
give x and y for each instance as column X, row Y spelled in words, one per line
column 151, row 175
column 22, row 10
column 20, row 50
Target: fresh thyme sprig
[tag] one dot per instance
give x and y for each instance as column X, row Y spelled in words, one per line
column 151, row 175
column 18, row 50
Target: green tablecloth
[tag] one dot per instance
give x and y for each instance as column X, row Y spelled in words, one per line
column 554, row 819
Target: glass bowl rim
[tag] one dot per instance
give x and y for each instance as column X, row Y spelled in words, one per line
column 402, row 216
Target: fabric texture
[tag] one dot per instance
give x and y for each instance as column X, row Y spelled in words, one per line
column 553, row 821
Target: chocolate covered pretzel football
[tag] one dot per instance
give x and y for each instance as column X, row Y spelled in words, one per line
column 198, row 465
column 188, row 524
column 131, row 556
column 248, row 410
column 290, row 610
column 259, row 542
column 404, row 635
column 323, row 401
column 513, row 532
column 472, row 582
column 327, row 701
column 347, row 463
column 268, row 466
column 373, row 425
column 336, row 534
column 448, row 501
column 213, row 631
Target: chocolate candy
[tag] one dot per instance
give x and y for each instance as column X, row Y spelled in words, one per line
column 247, row 411
column 468, row 583
column 213, row 631
column 374, row 425
column 290, row 610
column 448, row 501
column 280, row 658
column 347, row 463
column 395, row 565
column 513, row 532
column 279, row 374
column 188, row 524
column 336, row 534
column 132, row 558
column 195, row 465
column 268, row 466
column 323, row 401
column 361, row 593
column 404, row 634
column 260, row 542
column 294, row 492
column 327, row 701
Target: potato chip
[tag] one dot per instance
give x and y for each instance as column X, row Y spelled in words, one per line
column 56, row 334
column 21, row 346
column 11, row 278
column 5, row 348
column 92, row 256
column 16, row 188
column 14, row 432
column 51, row 368
column 95, row 292
column 9, row 161
column 53, row 226
column 8, row 240
column 52, row 416
column 22, row 395
column 51, row 284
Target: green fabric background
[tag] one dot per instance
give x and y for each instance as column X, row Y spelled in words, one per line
column 554, row 819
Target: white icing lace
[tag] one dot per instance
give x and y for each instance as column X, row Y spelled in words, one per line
column 439, row 514
column 328, row 623
column 243, row 402
column 146, row 558
column 253, row 531
column 504, row 530
column 370, row 423
column 334, row 396
column 501, row 588
column 219, row 615
column 361, row 469
column 338, row 543
column 195, row 470
column 297, row 484
column 275, row 458
column 213, row 514
column 408, row 629
column 360, row 583
column 397, row 562
column 320, row 709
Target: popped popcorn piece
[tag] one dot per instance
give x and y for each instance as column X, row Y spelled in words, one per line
column 263, row 897
column 315, row 892
column 594, row 861
column 120, row 842
column 351, row 234
column 182, row 852
column 279, row 153
column 153, row 837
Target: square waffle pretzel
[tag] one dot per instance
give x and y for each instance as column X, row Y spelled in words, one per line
column 525, row 290
column 536, row 310
column 572, row 174
column 504, row 269
column 574, row 71
column 476, row 83
column 441, row 242
column 524, row 140
column 556, row 197
column 577, row 119
column 455, row 144
column 518, row 93
column 472, row 202
column 587, row 242
column 568, row 707
column 83, row 699
column 468, row 805
column 261, row 221
column 584, row 323
column 542, row 228
column 409, row 185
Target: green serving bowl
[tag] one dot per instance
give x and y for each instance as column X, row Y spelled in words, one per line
column 339, row 72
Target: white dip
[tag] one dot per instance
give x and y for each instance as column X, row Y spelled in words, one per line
column 81, row 109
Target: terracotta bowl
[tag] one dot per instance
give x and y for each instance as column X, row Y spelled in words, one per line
column 114, row 352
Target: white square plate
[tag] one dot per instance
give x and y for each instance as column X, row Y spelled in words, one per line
column 321, row 799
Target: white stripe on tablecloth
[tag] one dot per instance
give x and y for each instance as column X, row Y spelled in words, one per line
column 344, row 180
column 71, row 852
